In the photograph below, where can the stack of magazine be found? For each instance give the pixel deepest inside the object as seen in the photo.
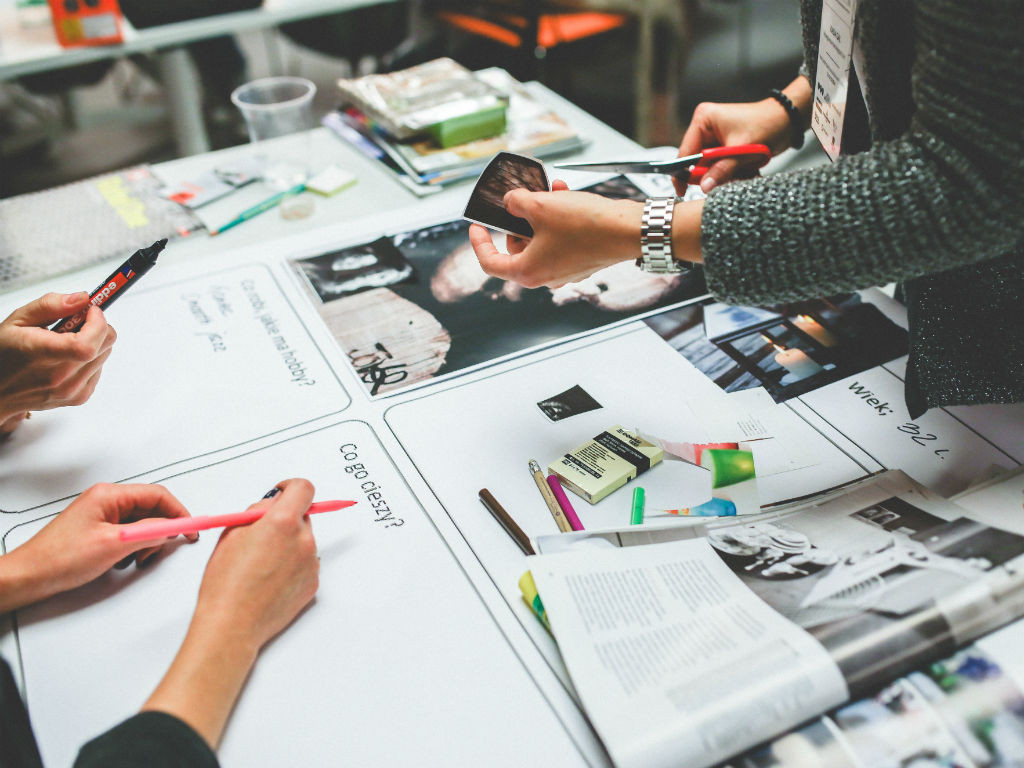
(871, 625)
(420, 164)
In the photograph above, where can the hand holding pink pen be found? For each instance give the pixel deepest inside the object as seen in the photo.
(158, 529)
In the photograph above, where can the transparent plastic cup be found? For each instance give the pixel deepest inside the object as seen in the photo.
(275, 107)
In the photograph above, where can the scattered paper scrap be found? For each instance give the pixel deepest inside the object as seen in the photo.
(571, 402)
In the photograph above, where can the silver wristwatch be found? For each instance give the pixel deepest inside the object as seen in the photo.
(656, 237)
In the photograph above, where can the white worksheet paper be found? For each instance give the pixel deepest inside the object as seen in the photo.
(937, 450)
(396, 662)
(200, 364)
(481, 434)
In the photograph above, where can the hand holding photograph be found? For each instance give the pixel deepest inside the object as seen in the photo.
(416, 306)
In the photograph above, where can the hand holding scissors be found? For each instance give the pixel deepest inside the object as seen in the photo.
(691, 167)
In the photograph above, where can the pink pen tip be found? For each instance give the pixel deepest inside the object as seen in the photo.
(159, 528)
(329, 506)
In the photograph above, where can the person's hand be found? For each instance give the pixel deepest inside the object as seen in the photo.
(258, 579)
(261, 575)
(575, 234)
(82, 542)
(40, 369)
(719, 125)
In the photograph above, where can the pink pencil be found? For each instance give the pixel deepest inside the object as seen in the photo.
(563, 502)
(158, 529)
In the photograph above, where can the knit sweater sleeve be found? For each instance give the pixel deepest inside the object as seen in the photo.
(947, 192)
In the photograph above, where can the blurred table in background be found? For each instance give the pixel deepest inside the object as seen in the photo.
(25, 51)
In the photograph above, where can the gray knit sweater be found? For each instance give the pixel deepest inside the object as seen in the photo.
(936, 202)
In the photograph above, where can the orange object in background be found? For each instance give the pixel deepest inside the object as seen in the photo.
(86, 22)
(552, 29)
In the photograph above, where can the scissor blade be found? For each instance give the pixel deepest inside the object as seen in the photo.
(641, 166)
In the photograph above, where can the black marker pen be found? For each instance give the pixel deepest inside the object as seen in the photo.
(138, 264)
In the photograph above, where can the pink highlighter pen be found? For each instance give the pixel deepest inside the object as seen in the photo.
(563, 502)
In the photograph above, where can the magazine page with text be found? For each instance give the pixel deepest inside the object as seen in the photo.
(689, 651)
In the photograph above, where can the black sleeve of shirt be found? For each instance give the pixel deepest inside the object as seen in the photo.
(153, 739)
(17, 744)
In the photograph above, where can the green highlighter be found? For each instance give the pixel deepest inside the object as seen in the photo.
(636, 517)
(259, 208)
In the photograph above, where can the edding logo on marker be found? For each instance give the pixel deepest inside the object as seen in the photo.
(105, 292)
(135, 267)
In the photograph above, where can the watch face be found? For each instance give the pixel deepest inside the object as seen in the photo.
(505, 172)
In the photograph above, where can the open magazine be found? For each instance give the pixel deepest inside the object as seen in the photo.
(965, 711)
(688, 646)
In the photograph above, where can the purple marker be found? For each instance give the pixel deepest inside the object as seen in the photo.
(563, 502)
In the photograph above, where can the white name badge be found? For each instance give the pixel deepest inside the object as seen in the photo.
(835, 56)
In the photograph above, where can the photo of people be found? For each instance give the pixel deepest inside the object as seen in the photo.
(878, 571)
(416, 306)
(505, 172)
(789, 349)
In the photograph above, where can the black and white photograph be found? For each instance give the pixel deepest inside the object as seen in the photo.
(416, 306)
(789, 350)
(505, 172)
(571, 402)
(875, 572)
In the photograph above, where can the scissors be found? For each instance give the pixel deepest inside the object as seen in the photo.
(694, 165)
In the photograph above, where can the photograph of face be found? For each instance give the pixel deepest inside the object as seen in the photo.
(505, 172)
(789, 350)
(417, 306)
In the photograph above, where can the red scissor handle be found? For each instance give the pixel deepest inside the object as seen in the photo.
(750, 154)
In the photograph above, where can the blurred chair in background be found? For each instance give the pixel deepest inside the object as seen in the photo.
(365, 37)
(219, 61)
(526, 29)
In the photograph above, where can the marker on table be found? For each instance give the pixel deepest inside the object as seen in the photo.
(549, 497)
(158, 529)
(259, 208)
(637, 515)
(714, 508)
(123, 278)
(563, 502)
(505, 521)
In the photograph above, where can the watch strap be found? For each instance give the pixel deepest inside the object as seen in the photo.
(656, 236)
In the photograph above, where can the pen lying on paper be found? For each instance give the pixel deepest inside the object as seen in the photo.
(157, 529)
(505, 520)
(259, 208)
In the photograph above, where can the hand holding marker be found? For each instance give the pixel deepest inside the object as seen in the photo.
(158, 529)
(138, 264)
